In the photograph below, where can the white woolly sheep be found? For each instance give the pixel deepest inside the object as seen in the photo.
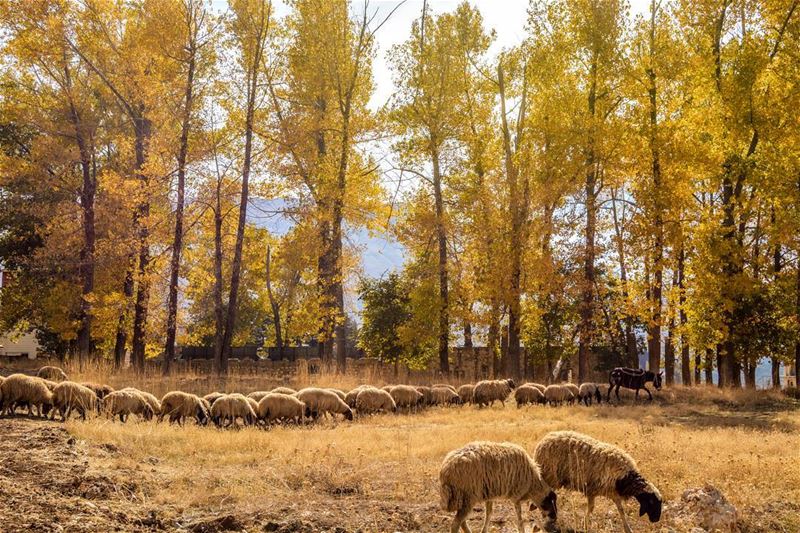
(489, 471)
(444, 385)
(488, 391)
(350, 397)
(466, 393)
(212, 397)
(558, 394)
(371, 400)
(427, 396)
(581, 463)
(444, 396)
(337, 392)
(50, 384)
(100, 390)
(52, 373)
(179, 405)
(283, 390)
(588, 392)
(537, 385)
(528, 394)
(68, 395)
(387, 388)
(152, 400)
(124, 403)
(406, 396)
(281, 407)
(19, 390)
(574, 389)
(321, 401)
(230, 407)
(257, 395)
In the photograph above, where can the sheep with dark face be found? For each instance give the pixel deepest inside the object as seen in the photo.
(444, 396)
(100, 390)
(466, 393)
(489, 471)
(282, 407)
(579, 462)
(406, 396)
(20, 390)
(558, 395)
(124, 403)
(427, 395)
(154, 403)
(350, 397)
(321, 401)
(371, 400)
(528, 394)
(68, 396)
(227, 409)
(589, 392)
(180, 405)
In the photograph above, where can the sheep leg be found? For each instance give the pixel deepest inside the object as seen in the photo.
(589, 509)
(520, 523)
(460, 520)
(485, 528)
(621, 510)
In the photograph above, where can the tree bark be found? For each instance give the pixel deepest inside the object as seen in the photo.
(220, 363)
(686, 373)
(709, 366)
(276, 309)
(177, 241)
(494, 327)
(441, 238)
(587, 290)
(142, 128)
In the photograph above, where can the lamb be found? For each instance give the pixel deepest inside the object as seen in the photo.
(444, 396)
(230, 407)
(283, 390)
(350, 397)
(100, 390)
(152, 400)
(528, 394)
(581, 463)
(406, 396)
(18, 390)
(257, 395)
(124, 403)
(321, 401)
(557, 394)
(488, 391)
(68, 395)
(371, 400)
(283, 407)
(489, 471)
(427, 396)
(52, 373)
(339, 393)
(212, 397)
(179, 405)
(588, 391)
(466, 393)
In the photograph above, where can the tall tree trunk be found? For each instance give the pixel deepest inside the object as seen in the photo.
(441, 237)
(669, 352)
(494, 328)
(709, 366)
(143, 129)
(777, 264)
(698, 365)
(468, 348)
(654, 330)
(797, 315)
(686, 372)
(276, 308)
(587, 300)
(220, 363)
(177, 241)
(631, 355)
(121, 341)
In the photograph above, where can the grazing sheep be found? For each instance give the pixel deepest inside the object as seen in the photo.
(281, 407)
(100, 390)
(283, 390)
(406, 396)
(488, 391)
(321, 401)
(427, 396)
(558, 394)
(371, 400)
(230, 407)
(537, 385)
(68, 395)
(152, 400)
(444, 396)
(581, 463)
(350, 397)
(253, 405)
(589, 391)
(257, 395)
(179, 405)
(124, 403)
(574, 389)
(50, 384)
(444, 385)
(337, 392)
(212, 397)
(466, 393)
(52, 373)
(387, 388)
(489, 471)
(19, 390)
(528, 394)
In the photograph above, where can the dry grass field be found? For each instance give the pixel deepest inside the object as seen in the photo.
(380, 473)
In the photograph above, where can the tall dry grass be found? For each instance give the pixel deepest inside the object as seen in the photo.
(746, 444)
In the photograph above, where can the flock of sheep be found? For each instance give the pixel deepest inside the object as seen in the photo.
(50, 392)
(478, 472)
